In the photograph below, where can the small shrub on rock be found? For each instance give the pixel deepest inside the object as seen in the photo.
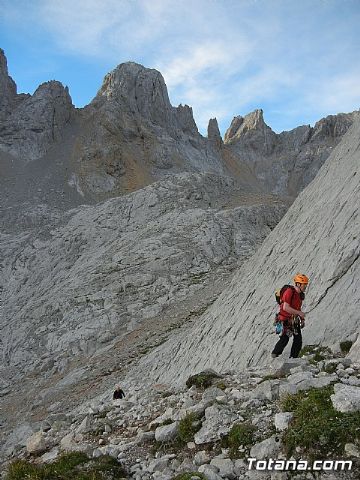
(169, 421)
(308, 350)
(345, 346)
(241, 434)
(202, 379)
(108, 468)
(189, 476)
(221, 385)
(188, 426)
(70, 466)
(272, 376)
(318, 353)
(330, 368)
(20, 469)
(317, 428)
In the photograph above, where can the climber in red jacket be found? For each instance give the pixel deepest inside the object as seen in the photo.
(292, 317)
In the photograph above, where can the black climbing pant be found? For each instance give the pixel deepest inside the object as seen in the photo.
(284, 340)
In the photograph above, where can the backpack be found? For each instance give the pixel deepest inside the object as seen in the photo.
(279, 326)
(280, 293)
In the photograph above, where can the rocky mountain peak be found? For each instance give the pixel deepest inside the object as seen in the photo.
(38, 121)
(253, 121)
(185, 118)
(251, 132)
(334, 126)
(7, 88)
(3, 62)
(214, 132)
(137, 90)
(234, 127)
(54, 89)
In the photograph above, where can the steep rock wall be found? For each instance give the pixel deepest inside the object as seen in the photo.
(319, 235)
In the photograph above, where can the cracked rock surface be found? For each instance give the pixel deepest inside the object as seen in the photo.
(112, 265)
(81, 301)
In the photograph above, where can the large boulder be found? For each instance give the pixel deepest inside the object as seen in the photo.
(346, 398)
(36, 444)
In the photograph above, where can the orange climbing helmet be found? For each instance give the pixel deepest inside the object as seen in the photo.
(301, 278)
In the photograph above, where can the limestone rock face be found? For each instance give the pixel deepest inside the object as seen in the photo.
(36, 443)
(268, 448)
(37, 122)
(317, 236)
(185, 118)
(166, 432)
(110, 266)
(129, 136)
(7, 88)
(141, 93)
(233, 129)
(333, 126)
(354, 353)
(113, 429)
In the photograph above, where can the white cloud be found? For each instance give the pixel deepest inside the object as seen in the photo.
(195, 63)
(221, 57)
(338, 94)
(87, 29)
(112, 28)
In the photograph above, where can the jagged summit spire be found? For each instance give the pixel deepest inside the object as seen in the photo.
(213, 132)
(7, 88)
(3, 61)
(252, 130)
(3, 64)
(240, 125)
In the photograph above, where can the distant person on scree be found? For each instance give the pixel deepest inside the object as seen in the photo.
(291, 316)
(118, 393)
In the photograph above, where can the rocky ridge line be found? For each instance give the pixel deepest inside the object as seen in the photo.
(287, 162)
(130, 136)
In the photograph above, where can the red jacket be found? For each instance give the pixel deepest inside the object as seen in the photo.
(292, 298)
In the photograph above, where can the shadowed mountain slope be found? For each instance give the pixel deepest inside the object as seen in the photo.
(285, 163)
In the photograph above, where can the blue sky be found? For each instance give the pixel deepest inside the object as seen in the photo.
(297, 60)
